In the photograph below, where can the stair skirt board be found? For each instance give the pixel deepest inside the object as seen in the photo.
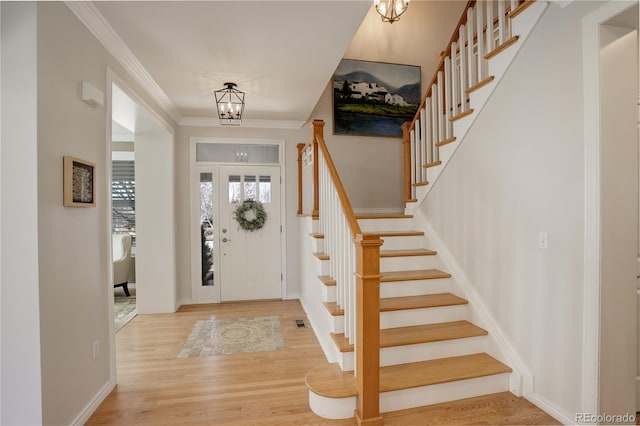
(343, 408)
(420, 352)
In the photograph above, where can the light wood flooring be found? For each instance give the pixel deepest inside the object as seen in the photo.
(263, 388)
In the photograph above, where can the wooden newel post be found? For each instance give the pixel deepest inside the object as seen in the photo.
(368, 329)
(300, 151)
(406, 144)
(318, 133)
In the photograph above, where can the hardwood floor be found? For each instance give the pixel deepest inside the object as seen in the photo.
(263, 388)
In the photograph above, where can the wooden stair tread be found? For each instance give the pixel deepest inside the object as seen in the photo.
(461, 115)
(446, 141)
(329, 381)
(411, 252)
(480, 84)
(502, 47)
(421, 274)
(443, 370)
(412, 335)
(420, 184)
(327, 280)
(521, 8)
(395, 233)
(318, 236)
(321, 256)
(384, 216)
(333, 308)
(407, 302)
(419, 302)
(432, 164)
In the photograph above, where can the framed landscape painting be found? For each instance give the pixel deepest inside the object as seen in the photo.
(374, 98)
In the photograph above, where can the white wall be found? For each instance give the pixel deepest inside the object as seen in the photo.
(155, 260)
(20, 383)
(619, 168)
(371, 168)
(519, 171)
(73, 242)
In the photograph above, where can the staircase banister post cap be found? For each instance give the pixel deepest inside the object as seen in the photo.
(368, 240)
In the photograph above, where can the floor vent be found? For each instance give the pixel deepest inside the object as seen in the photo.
(300, 323)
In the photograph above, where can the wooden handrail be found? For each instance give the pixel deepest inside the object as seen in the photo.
(318, 140)
(462, 21)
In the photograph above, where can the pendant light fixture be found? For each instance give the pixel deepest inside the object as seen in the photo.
(230, 104)
(390, 10)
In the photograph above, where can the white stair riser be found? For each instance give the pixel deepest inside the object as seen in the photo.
(402, 243)
(336, 323)
(433, 350)
(420, 352)
(415, 288)
(328, 293)
(318, 245)
(450, 391)
(315, 226)
(343, 408)
(332, 408)
(374, 225)
(410, 263)
(409, 317)
(322, 266)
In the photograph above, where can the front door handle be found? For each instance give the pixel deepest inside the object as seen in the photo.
(224, 240)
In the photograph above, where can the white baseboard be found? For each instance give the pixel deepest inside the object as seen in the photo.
(555, 412)
(93, 405)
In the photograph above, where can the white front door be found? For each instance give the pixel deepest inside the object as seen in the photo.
(250, 263)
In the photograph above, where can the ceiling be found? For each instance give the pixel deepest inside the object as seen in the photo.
(281, 53)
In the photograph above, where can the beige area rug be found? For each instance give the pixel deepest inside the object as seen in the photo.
(124, 310)
(233, 335)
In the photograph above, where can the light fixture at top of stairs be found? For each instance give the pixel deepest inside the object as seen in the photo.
(390, 10)
(230, 104)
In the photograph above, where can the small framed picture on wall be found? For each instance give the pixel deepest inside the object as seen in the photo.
(79, 183)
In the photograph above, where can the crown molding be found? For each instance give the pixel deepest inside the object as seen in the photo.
(246, 123)
(89, 15)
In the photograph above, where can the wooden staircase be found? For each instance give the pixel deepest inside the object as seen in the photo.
(429, 350)
(429, 345)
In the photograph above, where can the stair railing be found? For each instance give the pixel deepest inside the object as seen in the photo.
(355, 266)
(483, 31)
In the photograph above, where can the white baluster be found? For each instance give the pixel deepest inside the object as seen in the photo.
(430, 139)
(413, 157)
(434, 121)
(491, 40)
(455, 79)
(463, 70)
(501, 23)
(425, 147)
(418, 151)
(480, 42)
(441, 125)
(448, 78)
(470, 55)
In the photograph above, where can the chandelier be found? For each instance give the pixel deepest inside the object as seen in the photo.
(390, 10)
(230, 103)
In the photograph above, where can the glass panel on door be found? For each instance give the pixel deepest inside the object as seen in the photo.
(206, 228)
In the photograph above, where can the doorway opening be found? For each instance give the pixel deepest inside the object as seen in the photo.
(230, 263)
